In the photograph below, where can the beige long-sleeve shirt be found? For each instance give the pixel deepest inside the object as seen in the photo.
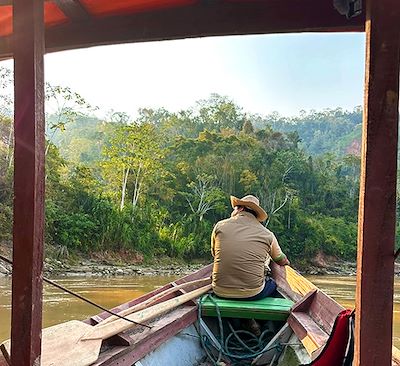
(241, 246)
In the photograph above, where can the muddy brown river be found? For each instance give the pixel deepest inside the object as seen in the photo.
(109, 292)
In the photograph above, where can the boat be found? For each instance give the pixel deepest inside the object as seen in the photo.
(182, 323)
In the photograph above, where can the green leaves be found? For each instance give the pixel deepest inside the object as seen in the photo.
(132, 161)
(158, 184)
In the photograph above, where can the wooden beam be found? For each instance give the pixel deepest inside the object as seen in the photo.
(10, 2)
(26, 317)
(203, 19)
(377, 210)
(73, 9)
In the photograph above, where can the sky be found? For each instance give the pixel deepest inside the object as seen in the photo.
(262, 74)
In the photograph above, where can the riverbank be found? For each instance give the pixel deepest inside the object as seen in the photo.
(88, 268)
(131, 264)
(106, 264)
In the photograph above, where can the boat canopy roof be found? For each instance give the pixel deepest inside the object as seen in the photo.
(74, 24)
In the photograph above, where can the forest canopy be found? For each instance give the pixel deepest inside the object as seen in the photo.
(157, 184)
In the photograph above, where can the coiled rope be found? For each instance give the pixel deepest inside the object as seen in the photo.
(234, 346)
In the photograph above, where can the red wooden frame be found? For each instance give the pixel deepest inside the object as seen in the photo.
(28, 183)
(377, 213)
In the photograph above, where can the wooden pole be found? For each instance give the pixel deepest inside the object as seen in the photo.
(377, 209)
(28, 48)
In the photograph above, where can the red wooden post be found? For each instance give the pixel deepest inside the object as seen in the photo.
(26, 318)
(377, 210)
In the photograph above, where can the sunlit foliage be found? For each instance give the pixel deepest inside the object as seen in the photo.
(157, 184)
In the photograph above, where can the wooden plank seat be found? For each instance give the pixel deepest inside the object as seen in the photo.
(269, 308)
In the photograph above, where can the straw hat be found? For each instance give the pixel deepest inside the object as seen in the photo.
(252, 203)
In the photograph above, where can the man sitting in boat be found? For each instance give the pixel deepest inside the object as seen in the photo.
(241, 247)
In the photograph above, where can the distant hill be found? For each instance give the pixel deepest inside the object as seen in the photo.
(328, 131)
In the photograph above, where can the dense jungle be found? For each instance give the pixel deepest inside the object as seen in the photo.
(154, 185)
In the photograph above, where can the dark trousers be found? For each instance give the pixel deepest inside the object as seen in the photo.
(268, 290)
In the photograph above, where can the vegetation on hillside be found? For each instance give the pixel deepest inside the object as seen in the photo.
(156, 185)
(321, 132)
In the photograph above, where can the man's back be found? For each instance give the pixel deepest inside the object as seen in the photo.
(240, 246)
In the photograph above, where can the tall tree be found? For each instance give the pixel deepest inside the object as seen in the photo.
(133, 156)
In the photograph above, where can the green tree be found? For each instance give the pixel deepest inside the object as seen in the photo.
(63, 106)
(132, 160)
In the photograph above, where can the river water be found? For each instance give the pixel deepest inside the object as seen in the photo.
(109, 292)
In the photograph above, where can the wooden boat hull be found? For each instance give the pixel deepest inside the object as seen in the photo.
(311, 319)
(173, 337)
(167, 337)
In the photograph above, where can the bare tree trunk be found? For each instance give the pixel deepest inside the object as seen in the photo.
(137, 187)
(123, 191)
(200, 191)
(275, 210)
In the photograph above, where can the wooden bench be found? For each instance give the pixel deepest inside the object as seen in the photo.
(269, 308)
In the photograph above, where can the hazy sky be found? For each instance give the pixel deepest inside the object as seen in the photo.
(284, 73)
